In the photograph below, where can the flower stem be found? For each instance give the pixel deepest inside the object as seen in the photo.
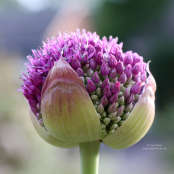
(89, 156)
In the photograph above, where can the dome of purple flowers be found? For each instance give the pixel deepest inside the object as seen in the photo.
(114, 79)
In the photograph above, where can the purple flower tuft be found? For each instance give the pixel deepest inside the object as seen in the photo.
(114, 79)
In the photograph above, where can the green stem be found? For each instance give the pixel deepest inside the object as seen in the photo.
(89, 156)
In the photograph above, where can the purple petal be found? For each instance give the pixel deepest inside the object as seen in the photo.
(128, 71)
(136, 69)
(75, 64)
(112, 73)
(104, 101)
(136, 88)
(128, 60)
(119, 67)
(107, 92)
(123, 78)
(92, 64)
(80, 72)
(90, 86)
(105, 83)
(115, 88)
(95, 77)
(104, 70)
(112, 61)
(113, 99)
(99, 58)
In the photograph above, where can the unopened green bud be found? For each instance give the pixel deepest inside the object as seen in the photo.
(99, 84)
(113, 107)
(97, 103)
(122, 88)
(104, 133)
(129, 84)
(85, 75)
(82, 79)
(112, 116)
(104, 114)
(121, 122)
(114, 126)
(86, 79)
(120, 94)
(103, 126)
(125, 116)
(94, 98)
(99, 116)
(95, 106)
(114, 80)
(90, 73)
(117, 119)
(120, 110)
(98, 92)
(121, 100)
(106, 121)
(85, 68)
(111, 131)
(128, 107)
(100, 109)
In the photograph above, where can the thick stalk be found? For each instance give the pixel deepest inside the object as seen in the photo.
(89, 157)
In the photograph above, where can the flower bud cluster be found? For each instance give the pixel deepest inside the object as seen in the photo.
(114, 87)
(113, 79)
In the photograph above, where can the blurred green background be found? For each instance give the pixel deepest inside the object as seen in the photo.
(146, 27)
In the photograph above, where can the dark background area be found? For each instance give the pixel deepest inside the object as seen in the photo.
(145, 27)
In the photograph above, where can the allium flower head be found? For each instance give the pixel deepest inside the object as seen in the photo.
(83, 88)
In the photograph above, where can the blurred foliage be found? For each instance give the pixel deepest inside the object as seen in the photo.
(131, 19)
(162, 127)
(8, 5)
(162, 69)
(121, 19)
(3, 2)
